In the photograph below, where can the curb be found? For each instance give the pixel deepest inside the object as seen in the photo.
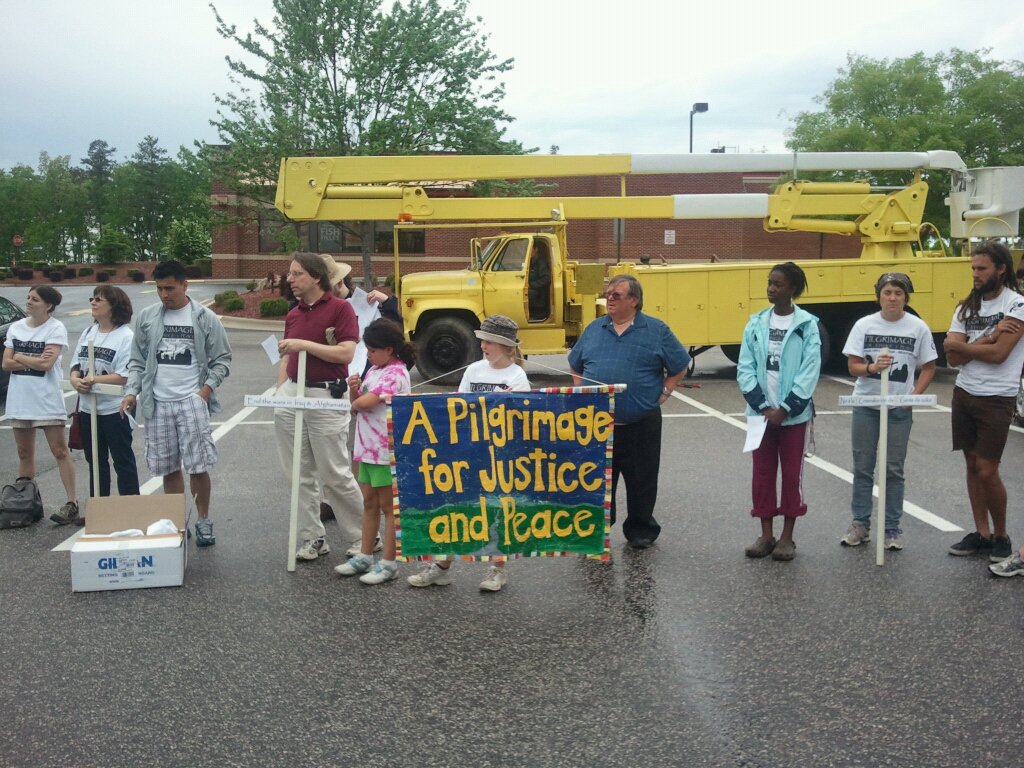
(251, 324)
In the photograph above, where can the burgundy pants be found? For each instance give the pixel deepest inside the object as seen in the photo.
(785, 446)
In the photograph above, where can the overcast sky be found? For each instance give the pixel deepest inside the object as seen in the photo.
(591, 76)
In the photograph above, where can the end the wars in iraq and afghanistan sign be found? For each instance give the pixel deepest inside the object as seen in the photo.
(503, 474)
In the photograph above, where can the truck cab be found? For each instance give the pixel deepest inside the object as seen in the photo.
(520, 275)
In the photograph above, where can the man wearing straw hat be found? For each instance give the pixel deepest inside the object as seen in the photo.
(325, 328)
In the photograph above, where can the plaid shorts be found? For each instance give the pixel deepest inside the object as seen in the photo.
(179, 435)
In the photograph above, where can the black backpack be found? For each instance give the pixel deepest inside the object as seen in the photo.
(20, 504)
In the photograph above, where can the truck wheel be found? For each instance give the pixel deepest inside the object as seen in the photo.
(731, 352)
(826, 344)
(446, 344)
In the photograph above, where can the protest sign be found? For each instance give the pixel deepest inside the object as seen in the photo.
(488, 476)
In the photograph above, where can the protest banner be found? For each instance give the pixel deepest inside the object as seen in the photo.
(490, 476)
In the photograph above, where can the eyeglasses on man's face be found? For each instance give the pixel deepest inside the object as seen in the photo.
(616, 295)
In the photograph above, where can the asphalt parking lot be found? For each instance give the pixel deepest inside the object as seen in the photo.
(684, 654)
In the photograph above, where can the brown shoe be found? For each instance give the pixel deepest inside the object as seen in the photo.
(66, 515)
(326, 513)
(784, 550)
(762, 547)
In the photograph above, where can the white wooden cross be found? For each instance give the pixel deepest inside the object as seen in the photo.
(884, 401)
(300, 404)
(97, 389)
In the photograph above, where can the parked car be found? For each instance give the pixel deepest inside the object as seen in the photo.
(10, 313)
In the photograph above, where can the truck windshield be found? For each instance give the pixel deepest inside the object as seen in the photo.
(487, 252)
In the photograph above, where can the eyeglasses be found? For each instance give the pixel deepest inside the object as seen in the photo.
(95, 298)
(295, 274)
(616, 296)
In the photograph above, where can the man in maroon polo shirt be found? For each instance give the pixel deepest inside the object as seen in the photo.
(325, 463)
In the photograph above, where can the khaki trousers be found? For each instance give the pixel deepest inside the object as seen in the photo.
(324, 464)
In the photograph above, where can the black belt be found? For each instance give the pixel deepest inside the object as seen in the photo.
(319, 385)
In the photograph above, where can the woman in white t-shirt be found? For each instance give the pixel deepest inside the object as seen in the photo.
(894, 339)
(499, 371)
(111, 337)
(33, 352)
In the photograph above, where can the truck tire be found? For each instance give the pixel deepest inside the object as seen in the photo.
(731, 352)
(447, 344)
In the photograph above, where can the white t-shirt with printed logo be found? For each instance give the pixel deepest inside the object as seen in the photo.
(36, 395)
(986, 379)
(111, 352)
(481, 377)
(778, 325)
(177, 375)
(908, 339)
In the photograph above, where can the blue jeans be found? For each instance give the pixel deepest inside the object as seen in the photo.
(864, 435)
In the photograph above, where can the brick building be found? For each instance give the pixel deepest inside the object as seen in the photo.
(249, 248)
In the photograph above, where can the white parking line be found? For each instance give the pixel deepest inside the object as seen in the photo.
(155, 483)
(911, 509)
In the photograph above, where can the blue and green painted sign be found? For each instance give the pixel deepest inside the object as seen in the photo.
(486, 476)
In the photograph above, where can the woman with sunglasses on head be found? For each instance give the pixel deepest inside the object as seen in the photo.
(33, 353)
(895, 339)
(111, 337)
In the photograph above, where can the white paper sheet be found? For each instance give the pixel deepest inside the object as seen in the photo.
(756, 426)
(269, 345)
(366, 313)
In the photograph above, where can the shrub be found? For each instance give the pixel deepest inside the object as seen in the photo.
(273, 307)
(220, 298)
(40, 265)
(234, 303)
(137, 276)
(56, 275)
(205, 265)
(102, 277)
(250, 286)
(70, 272)
(84, 271)
(26, 274)
(192, 272)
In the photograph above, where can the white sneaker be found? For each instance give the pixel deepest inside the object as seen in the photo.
(432, 574)
(356, 565)
(311, 549)
(357, 547)
(379, 573)
(496, 579)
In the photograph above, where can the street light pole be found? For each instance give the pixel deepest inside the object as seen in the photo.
(700, 106)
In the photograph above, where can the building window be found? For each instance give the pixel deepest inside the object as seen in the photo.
(273, 233)
(336, 236)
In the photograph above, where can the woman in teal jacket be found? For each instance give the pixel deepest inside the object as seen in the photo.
(780, 360)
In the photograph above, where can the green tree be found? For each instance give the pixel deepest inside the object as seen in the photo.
(59, 222)
(141, 198)
(98, 165)
(187, 240)
(958, 100)
(348, 77)
(113, 245)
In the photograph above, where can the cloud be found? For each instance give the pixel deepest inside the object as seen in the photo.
(589, 75)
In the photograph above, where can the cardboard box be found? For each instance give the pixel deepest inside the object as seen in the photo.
(100, 562)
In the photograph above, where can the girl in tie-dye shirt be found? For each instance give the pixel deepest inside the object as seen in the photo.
(391, 356)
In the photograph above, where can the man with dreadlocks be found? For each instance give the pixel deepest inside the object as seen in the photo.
(983, 340)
